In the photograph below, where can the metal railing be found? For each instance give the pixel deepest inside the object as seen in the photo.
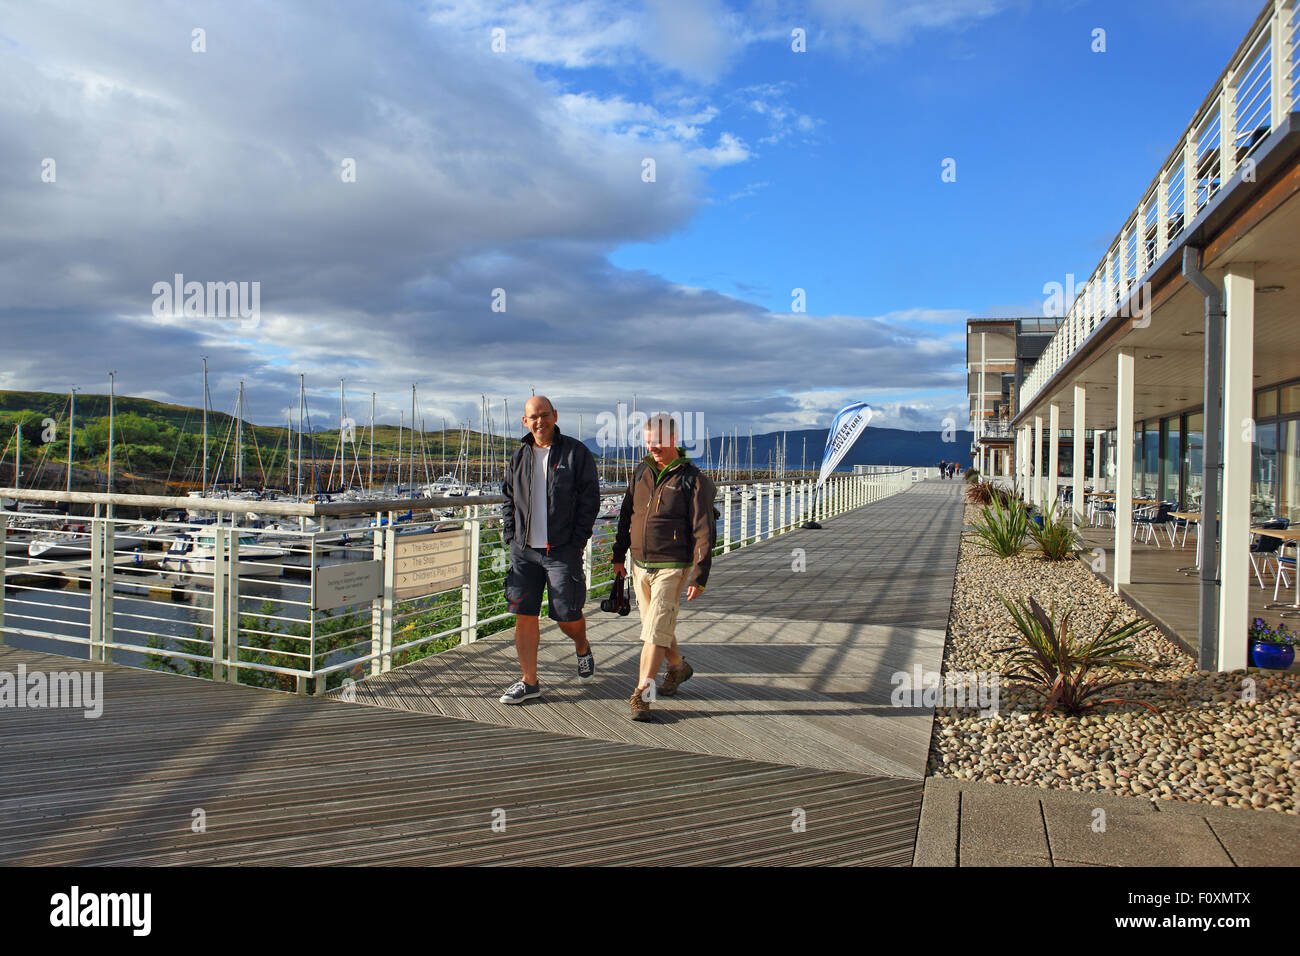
(993, 428)
(297, 596)
(1253, 96)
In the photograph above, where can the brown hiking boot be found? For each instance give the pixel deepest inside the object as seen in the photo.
(640, 709)
(674, 677)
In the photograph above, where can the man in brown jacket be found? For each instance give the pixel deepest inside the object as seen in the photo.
(667, 522)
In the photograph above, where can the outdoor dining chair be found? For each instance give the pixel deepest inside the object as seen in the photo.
(1262, 547)
(1148, 519)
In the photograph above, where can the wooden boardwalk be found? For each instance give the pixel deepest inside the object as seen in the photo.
(795, 701)
(790, 667)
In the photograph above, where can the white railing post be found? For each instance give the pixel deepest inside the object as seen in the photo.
(390, 588)
(377, 605)
(588, 559)
(232, 605)
(1227, 129)
(219, 599)
(1189, 178)
(1281, 41)
(726, 521)
(106, 604)
(1162, 214)
(771, 509)
(1122, 276)
(744, 515)
(469, 605)
(300, 682)
(96, 585)
(311, 622)
(4, 536)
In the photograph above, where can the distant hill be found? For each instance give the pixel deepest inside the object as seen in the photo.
(876, 446)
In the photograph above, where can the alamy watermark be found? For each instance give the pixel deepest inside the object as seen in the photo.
(1059, 297)
(618, 429)
(979, 689)
(37, 690)
(217, 300)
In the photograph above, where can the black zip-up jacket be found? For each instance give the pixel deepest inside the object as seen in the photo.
(572, 493)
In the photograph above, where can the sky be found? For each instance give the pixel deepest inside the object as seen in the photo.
(730, 210)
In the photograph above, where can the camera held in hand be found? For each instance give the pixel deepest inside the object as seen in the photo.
(617, 602)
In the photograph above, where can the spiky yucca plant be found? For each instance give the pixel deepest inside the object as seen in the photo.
(1056, 537)
(1002, 527)
(1064, 667)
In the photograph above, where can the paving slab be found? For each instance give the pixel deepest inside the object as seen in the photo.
(997, 827)
(1257, 842)
(1131, 839)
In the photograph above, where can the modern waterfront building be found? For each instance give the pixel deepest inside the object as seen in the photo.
(1183, 346)
(999, 354)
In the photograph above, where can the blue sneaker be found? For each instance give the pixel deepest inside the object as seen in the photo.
(586, 666)
(518, 692)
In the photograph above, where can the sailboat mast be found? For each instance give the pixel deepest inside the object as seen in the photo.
(399, 451)
(203, 492)
(370, 482)
(112, 381)
(412, 436)
(72, 426)
(239, 439)
(302, 404)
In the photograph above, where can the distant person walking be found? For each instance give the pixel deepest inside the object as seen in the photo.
(668, 524)
(552, 497)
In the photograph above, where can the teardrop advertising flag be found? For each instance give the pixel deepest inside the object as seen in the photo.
(845, 430)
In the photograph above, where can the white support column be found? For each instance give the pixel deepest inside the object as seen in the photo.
(1022, 468)
(1054, 453)
(1036, 480)
(1123, 468)
(1080, 436)
(1238, 434)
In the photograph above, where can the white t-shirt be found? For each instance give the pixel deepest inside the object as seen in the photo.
(537, 518)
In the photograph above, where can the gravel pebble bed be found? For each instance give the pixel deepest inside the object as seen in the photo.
(1220, 747)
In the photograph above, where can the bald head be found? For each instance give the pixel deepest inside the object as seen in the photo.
(538, 403)
(539, 418)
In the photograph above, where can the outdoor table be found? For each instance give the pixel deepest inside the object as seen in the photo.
(1190, 518)
(1289, 536)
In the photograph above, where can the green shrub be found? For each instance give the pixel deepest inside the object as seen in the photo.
(1002, 527)
(1066, 669)
(1056, 537)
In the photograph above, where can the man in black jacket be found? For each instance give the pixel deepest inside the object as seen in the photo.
(552, 497)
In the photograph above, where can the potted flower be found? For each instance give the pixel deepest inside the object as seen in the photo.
(1272, 648)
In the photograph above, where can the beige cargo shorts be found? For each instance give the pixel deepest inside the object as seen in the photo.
(658, 595)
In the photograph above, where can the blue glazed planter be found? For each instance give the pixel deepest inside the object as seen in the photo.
(1272, 656)
(1037, 519)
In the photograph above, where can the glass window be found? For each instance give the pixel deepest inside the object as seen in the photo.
(1151, 455)
(1290, 399)
(1266, 403)
(1139, 437)
(1193, 461)
(1170, 460)
(1264, 472)
(1289, 499)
